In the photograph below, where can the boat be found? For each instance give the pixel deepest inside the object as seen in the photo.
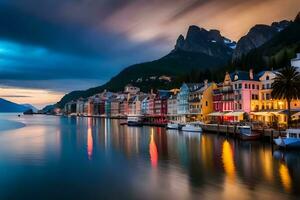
(134, 121)
(192, 127)
(173, 125)
(292, 139)
(246, 133)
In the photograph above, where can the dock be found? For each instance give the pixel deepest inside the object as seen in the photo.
(231, 130)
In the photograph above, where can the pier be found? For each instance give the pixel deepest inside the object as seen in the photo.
(231, 130)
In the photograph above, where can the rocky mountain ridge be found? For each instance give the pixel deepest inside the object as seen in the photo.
(257, 36)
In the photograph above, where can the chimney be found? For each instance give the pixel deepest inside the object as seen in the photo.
(251, 74)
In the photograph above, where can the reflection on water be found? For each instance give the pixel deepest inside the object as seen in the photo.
(285, 177)
(228, 160)
(89, 139)
(97, 158)
(153, 150)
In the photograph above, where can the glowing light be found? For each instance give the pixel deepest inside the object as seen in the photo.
(153, 150)
(285, 177)
(267, 165)
(228, 160)
(89, 139)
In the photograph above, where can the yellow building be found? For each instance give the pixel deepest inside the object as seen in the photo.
(201, 102)
(206, 103)
(271, 111)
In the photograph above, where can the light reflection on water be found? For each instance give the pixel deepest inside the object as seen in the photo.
(98, 158)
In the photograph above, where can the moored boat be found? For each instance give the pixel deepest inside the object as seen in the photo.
(173, 125)
(134, 121)
(246, 133)
(292, 139)
(192, 127)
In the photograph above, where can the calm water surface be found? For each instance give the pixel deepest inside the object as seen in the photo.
(48, 157)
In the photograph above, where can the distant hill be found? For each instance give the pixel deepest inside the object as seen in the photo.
(206, 54)
(34, 109)
(8, 106)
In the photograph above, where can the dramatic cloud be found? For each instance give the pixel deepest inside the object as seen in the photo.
(62, 45)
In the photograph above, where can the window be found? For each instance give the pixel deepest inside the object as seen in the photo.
(267, 78)
(268, 96)
(240, 106)
(246, 86)
(253, 86)
(240, 86)
(235, 86)
(257, 87)
(206, 103)
(263, 87)
(268, 86)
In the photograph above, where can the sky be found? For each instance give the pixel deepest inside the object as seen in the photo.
(51, 47)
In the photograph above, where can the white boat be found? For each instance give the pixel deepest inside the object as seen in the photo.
(134, 121)
(192, 127)
(292, 139)
(173, 125)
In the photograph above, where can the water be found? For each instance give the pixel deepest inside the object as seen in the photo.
(83, 158)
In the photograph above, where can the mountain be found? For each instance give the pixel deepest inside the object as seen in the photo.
(8, 106)
(29, 106)
(206, 54)
(200, 50)
(257, 36)
(277, 51)
(209, 42)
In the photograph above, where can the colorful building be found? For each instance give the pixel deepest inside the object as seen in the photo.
(271, 111)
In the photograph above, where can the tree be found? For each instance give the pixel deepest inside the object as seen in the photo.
(286, 86)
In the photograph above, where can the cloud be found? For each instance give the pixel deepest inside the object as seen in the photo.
(14, 96)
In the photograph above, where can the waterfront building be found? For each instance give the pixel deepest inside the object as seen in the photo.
(161, 102)
(194, 101)
(98, 105)
(271, 111)
(131, 105)
(206, 100)
(223, 100)
(183, 104)
(124, 107)
(70, 107)
(239, 94)
(115, 106)
(172, 105)
(227, 94)
(201, 101)
(89, 107)
(150, 105)
(80, 106)
(144, 105)
(246, 94)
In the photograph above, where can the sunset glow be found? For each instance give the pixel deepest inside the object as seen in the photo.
(37, 97)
